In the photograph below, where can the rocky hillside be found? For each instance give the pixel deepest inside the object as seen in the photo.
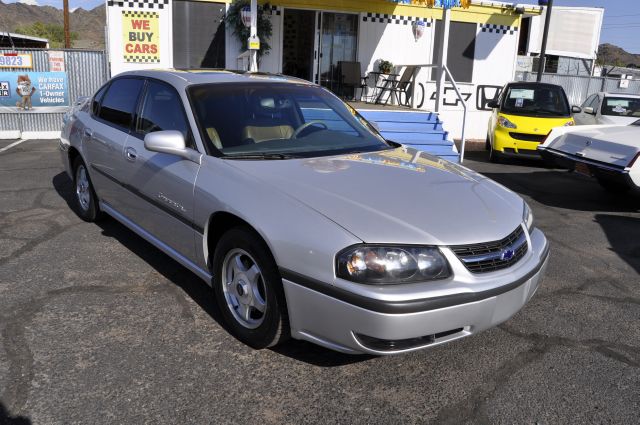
(88, 24)
(608, 54)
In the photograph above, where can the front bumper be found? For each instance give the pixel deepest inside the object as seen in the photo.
(506, 145)
(353, 324)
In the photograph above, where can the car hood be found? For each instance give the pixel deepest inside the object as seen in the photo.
(396, 196)
(616, 120)
(536, 125)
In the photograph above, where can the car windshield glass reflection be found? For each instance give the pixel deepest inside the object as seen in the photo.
(280, 121)
(531, 100)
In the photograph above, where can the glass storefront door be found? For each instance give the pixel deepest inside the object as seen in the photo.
(338, 42)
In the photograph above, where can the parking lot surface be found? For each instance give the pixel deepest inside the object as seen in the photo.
(97, 326)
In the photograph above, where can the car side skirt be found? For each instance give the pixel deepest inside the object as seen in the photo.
(184, 261)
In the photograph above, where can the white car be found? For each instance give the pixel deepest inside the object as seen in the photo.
(610, 153)
(609, 109)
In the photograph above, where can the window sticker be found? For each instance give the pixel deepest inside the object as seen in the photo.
(521, 94)
(619, 110)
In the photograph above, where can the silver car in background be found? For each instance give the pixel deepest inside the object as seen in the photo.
(306, 222)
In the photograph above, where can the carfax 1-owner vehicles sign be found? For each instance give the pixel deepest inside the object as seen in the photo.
(140, 36)
(33, 92)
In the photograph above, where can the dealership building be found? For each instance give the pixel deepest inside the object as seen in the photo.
(310, 38)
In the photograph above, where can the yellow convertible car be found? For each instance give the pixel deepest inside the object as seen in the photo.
(523, 116)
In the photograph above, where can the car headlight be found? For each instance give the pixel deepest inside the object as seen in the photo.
(391, 264)
(503, 122)
(527, 217)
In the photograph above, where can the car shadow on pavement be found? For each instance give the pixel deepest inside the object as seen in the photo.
(194, 287)
(555, 187)
(623, 233)
(7, 419)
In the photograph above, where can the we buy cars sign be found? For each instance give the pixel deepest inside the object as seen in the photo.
(140, 36)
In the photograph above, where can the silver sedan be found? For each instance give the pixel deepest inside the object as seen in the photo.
(306, 222)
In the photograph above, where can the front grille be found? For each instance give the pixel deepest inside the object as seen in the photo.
(492, 256)
(528, 137)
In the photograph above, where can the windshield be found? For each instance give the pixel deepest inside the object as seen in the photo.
(535, 100)
(621, 107)
(280, 120)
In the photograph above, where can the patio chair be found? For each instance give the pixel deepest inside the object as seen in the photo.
(398, 87)
(351, 77)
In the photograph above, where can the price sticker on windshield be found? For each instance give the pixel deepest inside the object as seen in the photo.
(16, 60)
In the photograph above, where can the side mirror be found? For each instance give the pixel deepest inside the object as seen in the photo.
(493, 104)
(589, 110)
(170, 142)
(576, 109)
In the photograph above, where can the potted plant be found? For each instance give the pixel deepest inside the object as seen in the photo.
(385, 66)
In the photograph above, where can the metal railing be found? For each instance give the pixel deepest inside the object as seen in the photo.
(464, 114)
(414, 83)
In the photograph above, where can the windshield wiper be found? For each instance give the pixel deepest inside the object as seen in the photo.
(257, 156)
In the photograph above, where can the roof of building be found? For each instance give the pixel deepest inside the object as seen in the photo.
(22, 36)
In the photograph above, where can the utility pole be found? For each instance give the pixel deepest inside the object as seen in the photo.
(253, 47)
(67, 37)
(545, 35)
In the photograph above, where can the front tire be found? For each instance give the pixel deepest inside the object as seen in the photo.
(248, 289)
(85, 196)
(494, 156)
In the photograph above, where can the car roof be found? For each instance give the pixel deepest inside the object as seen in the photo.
(181, 78)
(612, 94)
(532, 84)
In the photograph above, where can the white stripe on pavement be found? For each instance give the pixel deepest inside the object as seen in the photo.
(6, 148)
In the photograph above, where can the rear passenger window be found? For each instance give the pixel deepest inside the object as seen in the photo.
(162, 110)
(119, 104)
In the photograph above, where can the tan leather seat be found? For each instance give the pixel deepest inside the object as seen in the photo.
(260, 134)
(214, 137)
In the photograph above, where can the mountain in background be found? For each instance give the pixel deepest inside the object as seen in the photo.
(87, 24)
(608, 54)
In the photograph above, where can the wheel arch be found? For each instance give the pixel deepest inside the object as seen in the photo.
(220, 222)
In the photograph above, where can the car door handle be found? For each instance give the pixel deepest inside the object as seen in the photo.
(88, 133)
(581, 154)
(131, 154)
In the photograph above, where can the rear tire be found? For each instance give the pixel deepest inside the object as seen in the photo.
(87, 205)
(248, 289)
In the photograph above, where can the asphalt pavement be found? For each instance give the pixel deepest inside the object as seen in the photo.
(97, 326)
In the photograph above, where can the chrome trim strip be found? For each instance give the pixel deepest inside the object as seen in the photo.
(202, 274)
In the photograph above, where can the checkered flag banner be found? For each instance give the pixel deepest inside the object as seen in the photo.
(149, 4)
(393, 19)
(498, 29)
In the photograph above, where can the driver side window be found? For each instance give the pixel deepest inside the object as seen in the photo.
(162, 110)
(588, 101)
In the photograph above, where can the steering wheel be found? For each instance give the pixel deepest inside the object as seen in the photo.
(304, 126)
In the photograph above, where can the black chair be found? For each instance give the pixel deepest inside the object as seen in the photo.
(351, 77)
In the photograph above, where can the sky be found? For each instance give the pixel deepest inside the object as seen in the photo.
(621, 24)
